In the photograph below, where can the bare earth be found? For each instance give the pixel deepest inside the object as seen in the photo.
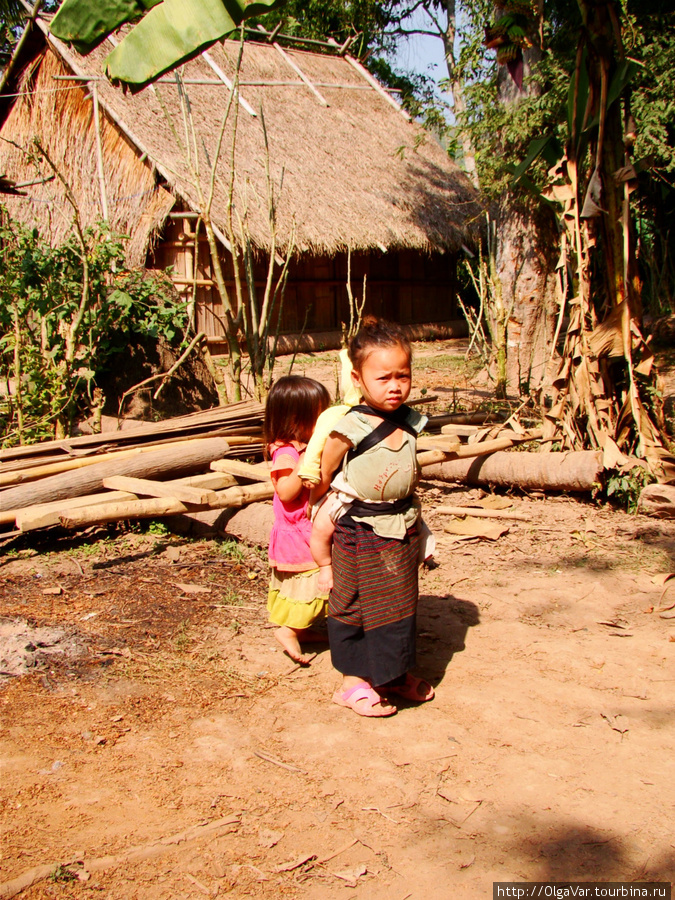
(162, 746)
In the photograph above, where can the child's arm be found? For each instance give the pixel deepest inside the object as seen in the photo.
(334, 451)
(287, 482)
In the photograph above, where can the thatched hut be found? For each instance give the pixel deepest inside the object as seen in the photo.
(354, 176)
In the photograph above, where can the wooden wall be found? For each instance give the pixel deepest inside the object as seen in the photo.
(407, 287)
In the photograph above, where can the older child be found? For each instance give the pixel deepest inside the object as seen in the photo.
(372, 606)
(294, 600)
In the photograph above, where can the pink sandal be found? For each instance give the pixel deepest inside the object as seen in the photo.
(415, 689)
(364, 700)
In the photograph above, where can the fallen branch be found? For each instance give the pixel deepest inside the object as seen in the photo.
(11, 888)
(482, 513)
(277, 762)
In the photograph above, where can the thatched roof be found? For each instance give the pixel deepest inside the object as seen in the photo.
(356, 172)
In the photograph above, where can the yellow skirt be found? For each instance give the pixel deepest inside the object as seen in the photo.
(294, 599)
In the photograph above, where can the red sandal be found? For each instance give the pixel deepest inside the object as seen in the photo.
(414, 688)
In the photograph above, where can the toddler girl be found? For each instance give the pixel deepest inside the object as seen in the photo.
(294, 601)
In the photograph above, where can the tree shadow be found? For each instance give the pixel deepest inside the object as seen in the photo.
(581, 853)
(442, 625)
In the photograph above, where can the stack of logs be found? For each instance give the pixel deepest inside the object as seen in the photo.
(150, 470)
(191, 463)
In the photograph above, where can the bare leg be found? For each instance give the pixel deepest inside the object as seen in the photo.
(289, 638)
(320, 545)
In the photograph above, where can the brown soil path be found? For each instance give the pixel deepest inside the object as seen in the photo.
(547, 753)
(172, 751)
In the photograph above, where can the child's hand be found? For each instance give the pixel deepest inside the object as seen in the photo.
(325, 581)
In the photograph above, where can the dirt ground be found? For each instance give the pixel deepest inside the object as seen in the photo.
(161, 745)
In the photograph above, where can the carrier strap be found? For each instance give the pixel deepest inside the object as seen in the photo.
(391, 421)
(385, 508)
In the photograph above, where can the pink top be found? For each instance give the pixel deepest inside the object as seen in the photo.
(289, 540)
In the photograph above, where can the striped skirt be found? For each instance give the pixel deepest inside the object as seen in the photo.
(371, 609)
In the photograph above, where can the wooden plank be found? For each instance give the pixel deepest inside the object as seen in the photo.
(438, 442)
(259, 472)
(47, 514)
(155, 508)
(143, 487)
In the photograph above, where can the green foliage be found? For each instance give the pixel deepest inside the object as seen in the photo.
(65, 313)
(157, 528)
(625, 487)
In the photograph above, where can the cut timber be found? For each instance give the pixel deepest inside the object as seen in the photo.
(145, 488)
(260, 472)
(176, 458)
(47, 514)
(459, 430)
(482, 513)
(573, 471)
(658, 500)
(469, 451)
(64, 465)
(141, 509)
(443, 442)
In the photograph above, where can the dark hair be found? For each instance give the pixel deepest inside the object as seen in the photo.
(293, 406)
(373, 334)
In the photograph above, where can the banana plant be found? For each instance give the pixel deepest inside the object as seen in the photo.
(601, 394)
(164, 33)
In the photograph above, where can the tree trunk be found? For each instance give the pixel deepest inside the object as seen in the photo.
(525, 265)
(579, 471)
(525, 269)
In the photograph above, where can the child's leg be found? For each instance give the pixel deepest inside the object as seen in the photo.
(320, 546)
(290, 638)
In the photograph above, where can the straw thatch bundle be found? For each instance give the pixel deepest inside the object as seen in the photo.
(356, 173)
(60, 115)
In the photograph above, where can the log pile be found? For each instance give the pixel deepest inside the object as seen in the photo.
(152, 470)
(193, 463)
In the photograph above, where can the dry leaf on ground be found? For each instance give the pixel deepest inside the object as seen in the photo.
(473, 527)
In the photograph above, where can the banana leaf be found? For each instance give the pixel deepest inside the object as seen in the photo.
(85, 24)
(169, 33)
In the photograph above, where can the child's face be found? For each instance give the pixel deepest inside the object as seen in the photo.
(384, 379)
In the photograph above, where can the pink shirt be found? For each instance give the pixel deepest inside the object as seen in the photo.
(289, 540)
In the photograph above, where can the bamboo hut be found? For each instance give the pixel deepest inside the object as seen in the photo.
(357, 182)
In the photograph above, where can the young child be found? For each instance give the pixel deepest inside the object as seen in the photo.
(294, 601)
(372, 606)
